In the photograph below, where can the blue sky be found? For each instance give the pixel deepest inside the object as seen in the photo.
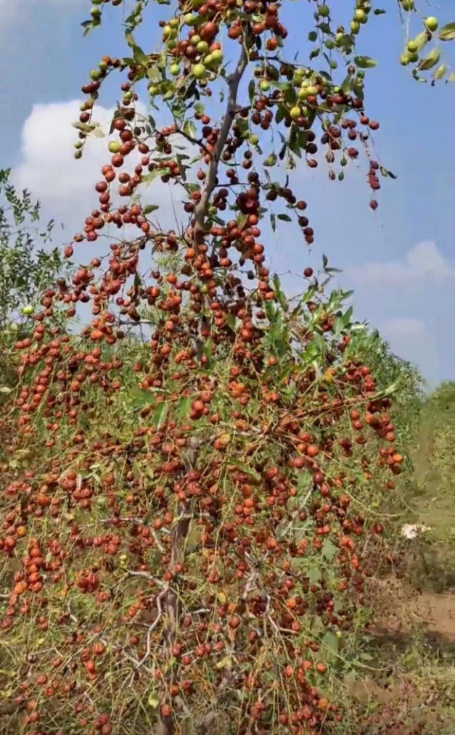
(399, 260)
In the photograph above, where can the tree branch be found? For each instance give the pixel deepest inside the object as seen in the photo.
(231, 108)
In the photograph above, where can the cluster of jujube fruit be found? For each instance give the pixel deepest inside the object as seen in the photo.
(202, 545)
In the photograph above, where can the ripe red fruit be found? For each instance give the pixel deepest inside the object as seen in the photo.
(313, 450)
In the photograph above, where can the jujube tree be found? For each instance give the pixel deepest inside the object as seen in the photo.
(194, 475)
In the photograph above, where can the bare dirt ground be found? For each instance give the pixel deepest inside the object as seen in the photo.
(413, 689)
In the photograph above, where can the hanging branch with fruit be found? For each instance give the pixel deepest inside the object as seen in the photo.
(193, 491)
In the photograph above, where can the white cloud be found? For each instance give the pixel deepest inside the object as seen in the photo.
(48, 167)
(65, 186)
(422, 263)
(410, 338)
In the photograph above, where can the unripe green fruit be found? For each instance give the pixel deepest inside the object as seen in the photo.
(174, 69)
(208, 60)
(254, 138)
(190, 19)
(202, 47)
(310, 90)
(95, 74)
(217, 56)
(408, 5)
(169, 94)
(302, 94)
(413, 57)
(154, 89)
(264, 85)
(174, 22)
(95, 13)
(404, 59)
(354, 26)
(199, 71)
(295, 112)
(195, 40)
(412, 46)
(28, 309)
(323, 11)
(114, 146)
(360, 15)
(167, 31)
(431, 23)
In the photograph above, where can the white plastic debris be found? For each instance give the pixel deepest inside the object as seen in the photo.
(411, 531)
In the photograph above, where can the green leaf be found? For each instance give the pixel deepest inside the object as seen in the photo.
(314, 575)
(346, 318)
(153, 74)
(160, 414)
(430, 60)
(230, 320)
(271, 160)
(285, 218)
(294, 142)
(150, 208)
(273, 221)
(329, 550)
(422, 39)
(379, 11)
(346, 84)
(252, 90)
(148, 178)
(391, 389)
(440, 71)
(183, 408)
(447, 32)
(84, 127)
(386, 172)
(189, 128)
(139, 56)
(153, 700)
(365, 62)
(279, 292)
(280, 114)
(330, 644)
